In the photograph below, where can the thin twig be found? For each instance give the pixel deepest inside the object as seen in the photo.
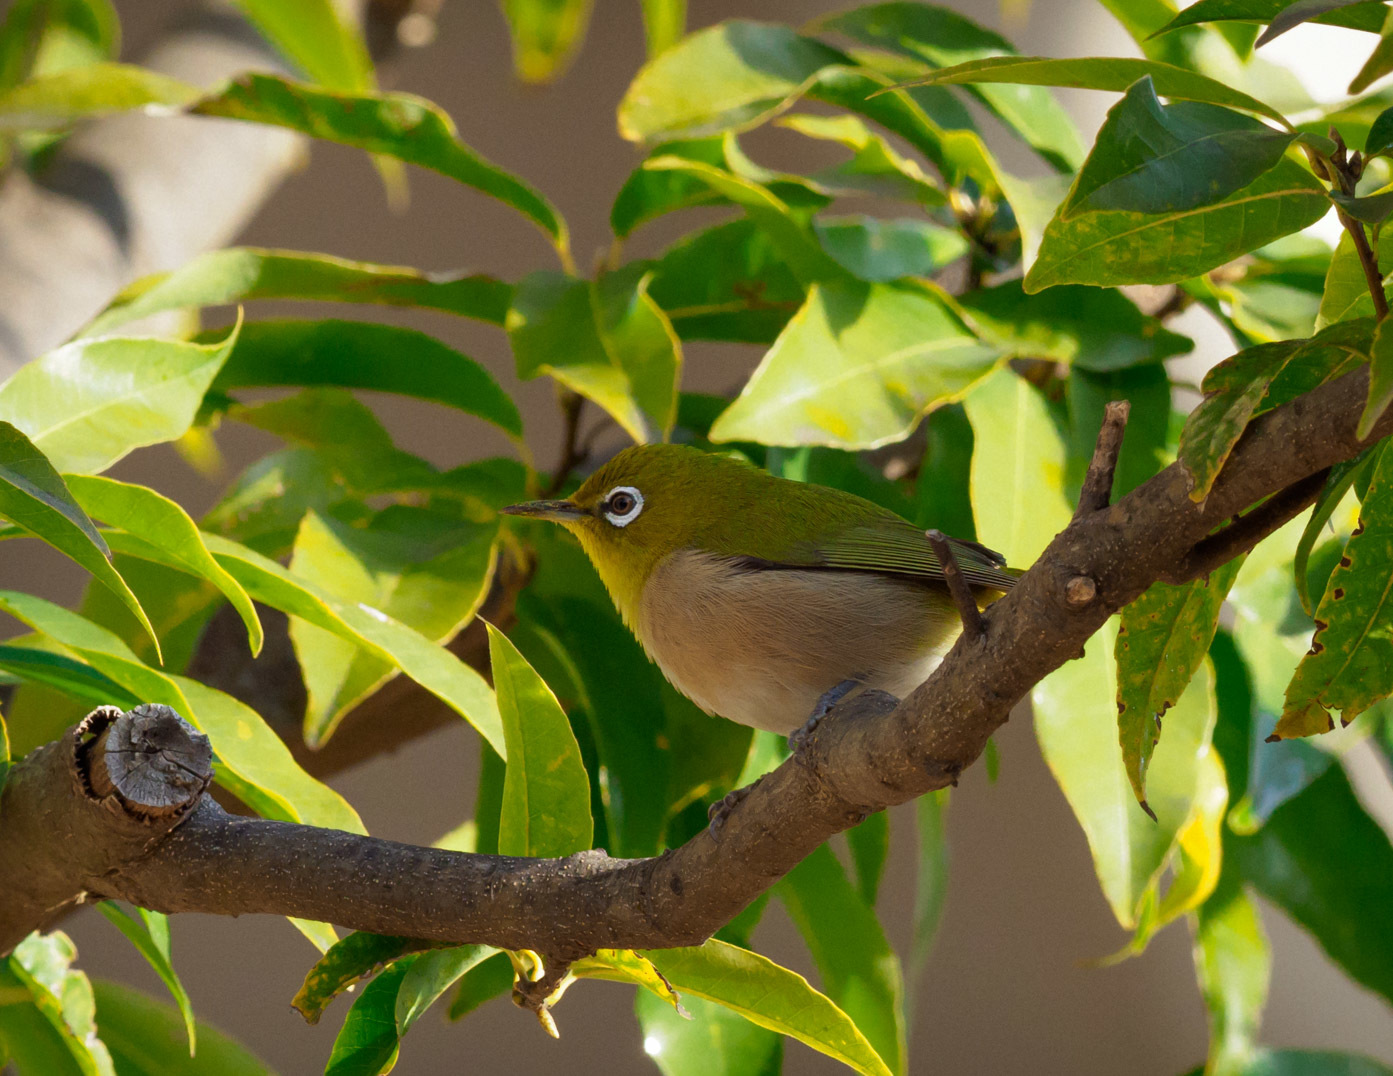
(1096, 493)
(1246, 531)
(973, 625)
(1346, 169)
(572, 404)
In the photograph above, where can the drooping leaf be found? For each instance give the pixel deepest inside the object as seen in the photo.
(56, 100)
(158, 520)
(1366, 16)
(364, 355)
(317, 38)
(1256, 380)
(1342, 477)
(869, 844)
(859, 970)
(1155, 158)
(368, 1042)
(1075, 721)
(1370, 208)
(240, 274)
(88, 403)
(1234, 962)
(1127, 247)
(351, 959)
(546, 35)
(1379, 63)
(940, 37)
(931, 877)
(1380, 380)
(427, 569)
(710, 1041)
(770, 996)
(1100, 73)
(546, 793)
(1162, 639)
(1018, 465)
(430, 975)
(149, 933)
(41, 966)
(857, 367)
(143, 1036)
(34, 497)
(1346, 296)
(1348, 667)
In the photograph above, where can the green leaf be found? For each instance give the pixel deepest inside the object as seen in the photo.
(350, 354)
(143, 1037)
(1090, 328)
(149, 933)
(710, 1041)
(1018, 460)
(732, 76)
(1380, 381)
(1348, 666)
(1379, 63)
(368, 1042)
(1162, 640)
(874, 168)
(1126, 247)
(88, 403)
(432, 666)
(491, 979)
(1371, 209)
(1234, 963)
(859, 970)
(1256, 380)
(869, 844)
(34, 497)
(664, 23)
(546, 34)
(1366, 16)
(423, 568)
(885, 250)
(1342, 477)
(1294, 14)
(857, 367)
(239, 274)
(1328, 865)
(1155, 158)
(399, 125)
(74, 678)
(608, 341)
(430, 975)
(64, 97)
(546, 793)
(316, 38)
(351, 959)
(41, 37)
(939, 37)
(41, 965)
(158, 520)
(1099, 73)
(1346, 296)
(4, 742)
(1076, 723)
(247, 750)
(1380, 137)
(770, 996)
(1148, 446)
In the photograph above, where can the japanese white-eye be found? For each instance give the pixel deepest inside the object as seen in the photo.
(757, 595)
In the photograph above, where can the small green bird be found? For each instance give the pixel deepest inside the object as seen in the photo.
(761, 598)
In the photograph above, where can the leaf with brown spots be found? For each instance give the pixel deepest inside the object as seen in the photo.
(1350, 664)
(1258, 379)
(1162, 640)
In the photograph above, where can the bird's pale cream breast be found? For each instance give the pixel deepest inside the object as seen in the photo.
(761, 645)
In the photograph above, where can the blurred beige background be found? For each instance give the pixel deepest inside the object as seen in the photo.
(1006, 989)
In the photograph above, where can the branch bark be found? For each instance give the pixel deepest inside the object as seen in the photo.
(868, 754)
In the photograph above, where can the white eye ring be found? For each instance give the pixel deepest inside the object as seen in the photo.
(629, 498)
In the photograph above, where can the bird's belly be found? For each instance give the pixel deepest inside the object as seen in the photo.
(761, 646)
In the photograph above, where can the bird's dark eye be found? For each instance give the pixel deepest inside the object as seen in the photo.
(622, 505)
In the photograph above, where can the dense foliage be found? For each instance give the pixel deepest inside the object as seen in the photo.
(965, 323)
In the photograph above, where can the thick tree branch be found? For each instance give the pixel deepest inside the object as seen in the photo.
(866, 755)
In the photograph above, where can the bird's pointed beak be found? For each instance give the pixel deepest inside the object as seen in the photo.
(555, 511)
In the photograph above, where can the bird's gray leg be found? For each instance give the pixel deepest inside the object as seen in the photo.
(798, 738)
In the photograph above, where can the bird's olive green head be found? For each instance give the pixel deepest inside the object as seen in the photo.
(647, 502)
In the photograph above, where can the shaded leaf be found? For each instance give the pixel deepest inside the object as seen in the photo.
(1342, 477)
(546, 35)
(41, 965)
(143, 1037)
(1126, 247)
(35, 497)
(1380, 380)
(874, 168)
(711, 1041)
(1346, 296)
(859, 970)
(885, 250)
(869, 844)
(1371, 208)
(546, 793)
(350, 354)
(1366, 16)
(351, 959)
(88, 403)
(149, 933)
(158, 520)
(1075, 721)
(1379, 63)
(239, 274)
(931, 877)
(1162, 639)
(856, 367)
(1234, 964)
(430, 975)
(770, 996)
(1018, 460)
(368, 1042)
(481, 983)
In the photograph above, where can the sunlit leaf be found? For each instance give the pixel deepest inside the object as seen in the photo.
(857, 367)
(546, 793)
(317, 38)
(546, 34)
(886, 250)
(711, 1041)
(63, 97)
(41, 965)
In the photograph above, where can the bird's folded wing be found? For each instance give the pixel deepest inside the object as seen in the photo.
(900, 547)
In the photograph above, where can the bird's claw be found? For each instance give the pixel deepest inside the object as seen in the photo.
(719, 811)
(798, 738)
